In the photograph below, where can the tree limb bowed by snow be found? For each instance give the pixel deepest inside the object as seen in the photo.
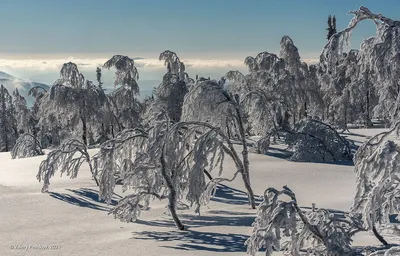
(26, 146)
(67, 159)
(378, 179)
(281, 225)
(315, 141)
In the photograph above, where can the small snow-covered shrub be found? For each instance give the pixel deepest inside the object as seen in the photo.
(26, 146)
(262, 145)
(281, 225)
(314, 141)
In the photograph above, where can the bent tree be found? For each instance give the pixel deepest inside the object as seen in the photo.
(220, 109)
(167, 161)
(281, 224)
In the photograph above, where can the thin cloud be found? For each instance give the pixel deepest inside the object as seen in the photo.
(56, 64)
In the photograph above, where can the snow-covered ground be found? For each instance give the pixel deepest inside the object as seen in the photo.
(71, 219)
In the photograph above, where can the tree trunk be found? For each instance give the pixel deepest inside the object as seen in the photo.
(305, 109)
(378, 236)
(91, 169)
(245, 153)
(84, 130)
(228, 131)
(172, 193)
(172, 209)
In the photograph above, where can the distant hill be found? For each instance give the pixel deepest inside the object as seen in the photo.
(11, 82)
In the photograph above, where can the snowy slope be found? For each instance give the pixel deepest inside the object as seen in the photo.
(70, 215)
(11, 83)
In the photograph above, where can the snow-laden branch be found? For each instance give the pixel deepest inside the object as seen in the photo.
(378, 181)
(26, 146)
(316, 231)
(67, 159)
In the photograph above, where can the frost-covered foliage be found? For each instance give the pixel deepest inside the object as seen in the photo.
(67, 159)
(174, 65)
(170, 95)
(8, 123)
(38, 93)
(221, 109)
(165, 162)
(21, 112)
(174, 86)
(261, 116)
(209, 97)
(377, 190)
(370, 67)
(73, 106)
(277, 90)
(123, 107)
(281, 225)
(26, 146)
(315, 141)
(126, 73)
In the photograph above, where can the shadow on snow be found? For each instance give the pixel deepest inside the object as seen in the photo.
(195, 240)
(84, 197)
(229, 195)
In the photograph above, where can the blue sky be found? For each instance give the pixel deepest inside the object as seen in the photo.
(204, 27)
(207, 29)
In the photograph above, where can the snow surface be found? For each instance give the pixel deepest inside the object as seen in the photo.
(70, 215)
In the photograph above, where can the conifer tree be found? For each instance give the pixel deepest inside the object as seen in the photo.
(8, 126)
(21, 112)
(331, 27)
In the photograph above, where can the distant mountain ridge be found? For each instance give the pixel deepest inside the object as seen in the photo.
(11, 83)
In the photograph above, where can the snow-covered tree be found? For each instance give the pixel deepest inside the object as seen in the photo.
(174, 65)
(26, 146)
(170, 94)
(8, 123)
(73, 101)
(165, 162)
(378, 179)
(98, 77)
(124, 106)
(67, 159)
(315, 141)
(281, 225)
(285, 87)
(372, 62)
(174, 86)
(21, 112)
(38, 93)
(222, 110)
